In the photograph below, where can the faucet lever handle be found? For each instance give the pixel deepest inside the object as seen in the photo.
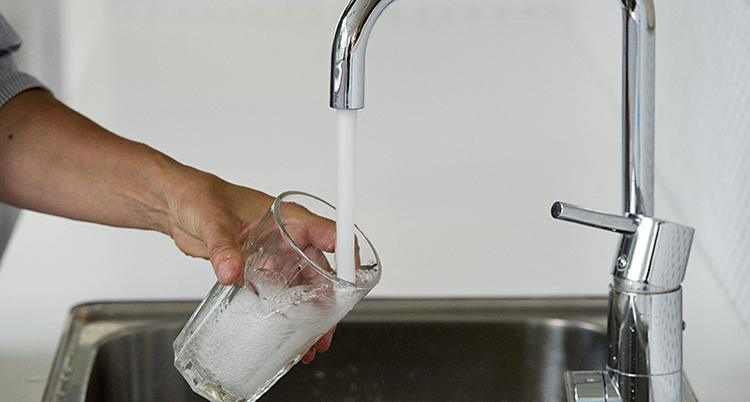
(593, 218)
(652, 252)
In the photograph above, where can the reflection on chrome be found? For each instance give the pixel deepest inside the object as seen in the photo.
(645, 302)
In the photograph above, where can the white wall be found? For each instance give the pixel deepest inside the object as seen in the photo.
(479, 115)
(40, 23)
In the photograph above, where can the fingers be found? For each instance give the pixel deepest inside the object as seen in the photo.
(324, 342)
(322, 346)
(207, 217)
(306, 228)
(317, 256)
(189, 244)
(221, 241)
(219, 247)
(321, 233)
(308, 356)
(227, 267)
(314, 235)
(215, 241)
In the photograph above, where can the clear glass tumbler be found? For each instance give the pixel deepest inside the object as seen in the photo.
(244, 337)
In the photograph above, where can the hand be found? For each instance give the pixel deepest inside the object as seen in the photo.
(321, 346)
(209, 217)
(56, 161)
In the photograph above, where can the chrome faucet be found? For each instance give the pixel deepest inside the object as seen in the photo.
(348, 54)
(645, 298)
(645, 324)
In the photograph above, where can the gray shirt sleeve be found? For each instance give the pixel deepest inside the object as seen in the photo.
(12, 81)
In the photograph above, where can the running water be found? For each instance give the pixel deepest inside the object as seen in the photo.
(345, 210)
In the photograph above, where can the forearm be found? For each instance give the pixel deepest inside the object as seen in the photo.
(56, 161)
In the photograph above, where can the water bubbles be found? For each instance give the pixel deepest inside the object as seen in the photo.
(250, 341)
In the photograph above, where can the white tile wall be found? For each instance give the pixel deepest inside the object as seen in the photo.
(705, 121)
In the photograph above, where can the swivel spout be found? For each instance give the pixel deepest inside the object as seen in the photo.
(645, 320)
(347, 89)
(348, 54)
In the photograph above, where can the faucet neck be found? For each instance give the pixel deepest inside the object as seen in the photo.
(348, 53)
(638, 72)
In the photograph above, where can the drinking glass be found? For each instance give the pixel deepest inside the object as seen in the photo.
(244, 337)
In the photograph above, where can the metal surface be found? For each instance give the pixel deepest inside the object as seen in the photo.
(590, 386)
(649, 343)
(348, 53)
(589, 217)
(645, 360)
(384, 350)
(654, 258)
(645, 325)
(645, 315)
(594, 386)
(347, 86)
(652, 255)
(638, 83)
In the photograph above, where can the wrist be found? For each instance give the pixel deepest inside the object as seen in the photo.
(165, 180)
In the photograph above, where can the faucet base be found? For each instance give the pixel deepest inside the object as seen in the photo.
(601, 386)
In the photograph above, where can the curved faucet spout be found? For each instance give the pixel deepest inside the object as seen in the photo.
(348, 54)
(645, 320)
(347, 89)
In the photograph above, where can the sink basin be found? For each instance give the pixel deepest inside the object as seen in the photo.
(390, 350)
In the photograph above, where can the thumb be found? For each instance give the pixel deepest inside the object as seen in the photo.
(221, 242)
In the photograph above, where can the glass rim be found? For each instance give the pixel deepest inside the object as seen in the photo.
(275, 208)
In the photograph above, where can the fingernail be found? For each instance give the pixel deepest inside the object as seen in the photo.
(324, 343)
(308, 357)
(225, 270)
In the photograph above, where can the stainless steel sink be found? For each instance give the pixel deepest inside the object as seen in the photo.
(390, 350)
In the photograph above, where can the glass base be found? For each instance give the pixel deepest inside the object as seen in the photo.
(214, 392)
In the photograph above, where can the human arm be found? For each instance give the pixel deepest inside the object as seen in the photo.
(56, 161)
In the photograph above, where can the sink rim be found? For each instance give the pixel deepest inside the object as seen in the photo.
(92, 324)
